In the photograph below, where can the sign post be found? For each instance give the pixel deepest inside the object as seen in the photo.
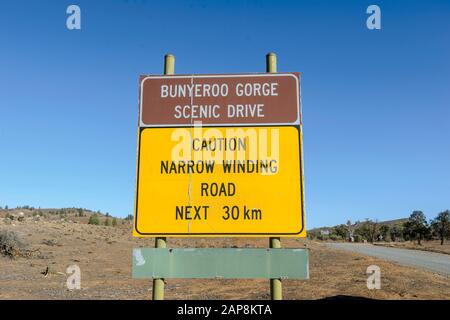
(160, 242)
(276, 292)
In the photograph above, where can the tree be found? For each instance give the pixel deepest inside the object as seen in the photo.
(93, 220)
(311, 235)
(384, 231)
(350, 230)
(107, 222)
(373, 229)
(340, 231)
(361, 232)
(129, 217)
(6, 207)
(441, 225)
(368, 230)
(416, 227)
(396, 232)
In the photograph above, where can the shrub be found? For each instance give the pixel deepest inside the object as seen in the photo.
(80, 212)
(11, 245)
(322, 237)
(108, 222)
(334, 237)
(341, 231)
(114, 222)
(93, 220)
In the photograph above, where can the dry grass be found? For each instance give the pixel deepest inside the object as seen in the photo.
(434, 246)
(104, 256)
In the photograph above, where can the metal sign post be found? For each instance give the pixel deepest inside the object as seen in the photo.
(276, 291)
(160, 242)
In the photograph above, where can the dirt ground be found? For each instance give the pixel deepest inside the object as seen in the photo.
(104, 255)
(433, 246)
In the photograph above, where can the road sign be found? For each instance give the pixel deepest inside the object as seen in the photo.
(220, 263)
(219, 99)
(219, 155)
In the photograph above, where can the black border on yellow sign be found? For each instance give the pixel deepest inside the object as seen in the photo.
(302, 213)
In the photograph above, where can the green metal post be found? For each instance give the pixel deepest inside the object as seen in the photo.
(276, 291)
(158, 284)
(169, 64)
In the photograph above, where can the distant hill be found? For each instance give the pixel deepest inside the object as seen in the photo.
(361, 231)
(389, 223)
(80, 215)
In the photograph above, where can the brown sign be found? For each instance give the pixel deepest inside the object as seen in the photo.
(183, 100)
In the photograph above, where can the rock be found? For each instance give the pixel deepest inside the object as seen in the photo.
(50, 242)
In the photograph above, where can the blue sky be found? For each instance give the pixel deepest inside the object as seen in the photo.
(376, 103)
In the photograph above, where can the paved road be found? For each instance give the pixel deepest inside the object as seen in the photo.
(437, 262)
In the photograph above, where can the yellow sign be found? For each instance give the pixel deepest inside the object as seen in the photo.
(219, 181)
